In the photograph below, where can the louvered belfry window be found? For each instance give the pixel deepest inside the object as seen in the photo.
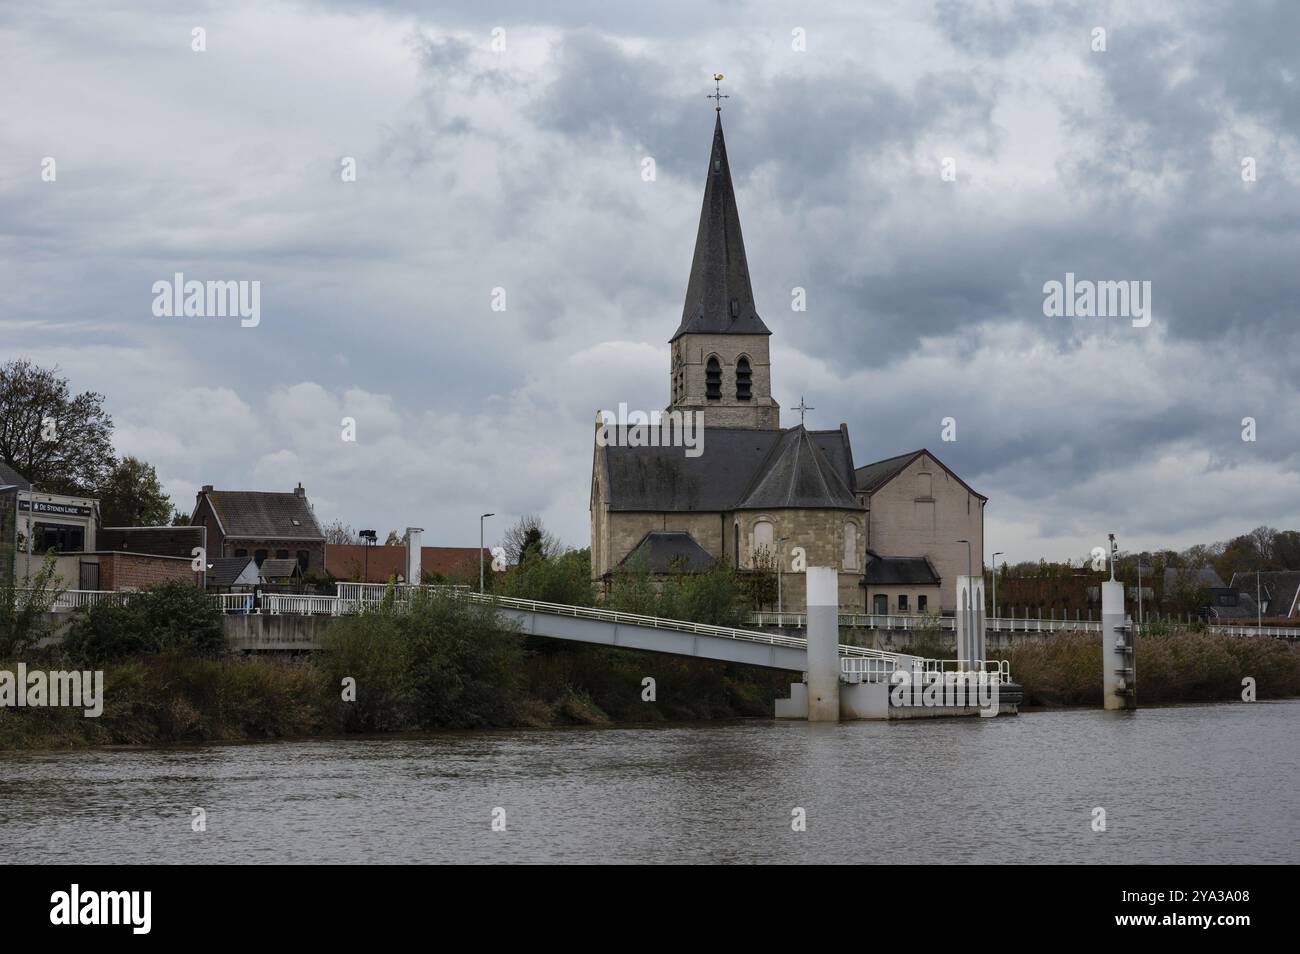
(713, 380)
(744, 380)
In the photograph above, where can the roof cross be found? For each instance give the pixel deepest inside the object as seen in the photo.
(718, 96)
(802, 408)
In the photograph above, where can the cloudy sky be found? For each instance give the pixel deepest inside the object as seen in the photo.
(501, 145)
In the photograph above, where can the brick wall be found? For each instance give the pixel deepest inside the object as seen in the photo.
(138, 571)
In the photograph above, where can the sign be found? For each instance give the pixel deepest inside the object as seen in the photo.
(56, 509)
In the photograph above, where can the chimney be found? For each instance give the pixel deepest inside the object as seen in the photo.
(298, 491)
(207, 489)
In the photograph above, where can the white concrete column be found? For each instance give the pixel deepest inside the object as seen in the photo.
(1119, 672)
(823, 585)
(414, 535)
(970, 619)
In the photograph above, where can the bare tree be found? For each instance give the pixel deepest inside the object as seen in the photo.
(337, 532)
(528, 536)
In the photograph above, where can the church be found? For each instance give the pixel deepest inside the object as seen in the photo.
(896, 529)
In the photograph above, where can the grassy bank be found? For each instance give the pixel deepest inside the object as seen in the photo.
(165, 699)
(1178, 666)
(439, 663)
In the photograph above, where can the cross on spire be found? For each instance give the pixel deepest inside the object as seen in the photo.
(802, 408)
(718, 95)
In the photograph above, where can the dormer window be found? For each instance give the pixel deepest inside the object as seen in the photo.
(744, 380)
(713, 380)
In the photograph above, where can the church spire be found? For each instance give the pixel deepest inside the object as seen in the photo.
(719, 299)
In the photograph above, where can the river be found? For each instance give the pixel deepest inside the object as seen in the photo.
(1212, 783)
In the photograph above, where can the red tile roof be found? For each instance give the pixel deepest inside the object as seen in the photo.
(347, 561)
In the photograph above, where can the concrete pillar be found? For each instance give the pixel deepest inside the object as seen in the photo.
(823, 584)
(1119, 672)
(414, 535)
(970, 619)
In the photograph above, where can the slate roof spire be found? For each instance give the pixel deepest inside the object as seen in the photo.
(719, 299)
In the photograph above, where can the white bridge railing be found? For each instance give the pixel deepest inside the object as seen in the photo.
(857, 669)
(1002, 624)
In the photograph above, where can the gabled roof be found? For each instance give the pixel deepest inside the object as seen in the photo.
(275, 569)
(1192, 577)
(224, 571)
(733, 464)
(255, 513)
(10, 476)
(669, 551)
(901, 571)
(719, 297)
(871, 477)
(797, 474)
(1277, 587)
(158, 541)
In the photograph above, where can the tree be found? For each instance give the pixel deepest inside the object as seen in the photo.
(337, 532)
(60, 442)
(133, 497)
(23, 619)
(528, 537)
(180, 518)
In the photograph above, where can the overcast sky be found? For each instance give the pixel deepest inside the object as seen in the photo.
(521, 168)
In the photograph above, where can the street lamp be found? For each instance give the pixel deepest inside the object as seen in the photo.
(970, 565)
(480, 548)
(995, 580)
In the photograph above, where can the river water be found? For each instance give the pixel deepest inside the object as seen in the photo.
(1214, 783)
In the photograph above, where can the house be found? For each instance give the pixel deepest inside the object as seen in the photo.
(262, 525)
(232, 575)
(1279, 592)
(901, 585)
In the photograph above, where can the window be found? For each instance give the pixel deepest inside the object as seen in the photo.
(880, 604)
(744, 380)
(925, 485)
(902, 602)
(921, 603)
(713, 380)
(282, 554)
(762, 543)
(259, 557)
(241, 552)
(59, 538)
(850, 546)
(303, 559)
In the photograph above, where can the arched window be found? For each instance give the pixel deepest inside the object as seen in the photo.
(761, 545)
(744, 380)
(850, 546)
(713, 380)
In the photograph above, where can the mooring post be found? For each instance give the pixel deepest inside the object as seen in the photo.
(823, 590)
(1119, 671)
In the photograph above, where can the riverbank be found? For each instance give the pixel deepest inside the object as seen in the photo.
(381, 677)
(167, 699)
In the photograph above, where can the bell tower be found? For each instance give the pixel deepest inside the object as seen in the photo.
(720, 357)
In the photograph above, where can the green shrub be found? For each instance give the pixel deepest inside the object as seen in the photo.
(172, 617)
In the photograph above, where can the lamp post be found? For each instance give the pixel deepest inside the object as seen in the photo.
(995, 580)
(1259, 608)
(480, 548)
(970, 565)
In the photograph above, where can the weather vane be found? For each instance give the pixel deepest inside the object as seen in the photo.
(718, 96)
(803, 408)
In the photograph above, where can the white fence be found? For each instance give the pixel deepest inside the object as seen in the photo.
(358, 597)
